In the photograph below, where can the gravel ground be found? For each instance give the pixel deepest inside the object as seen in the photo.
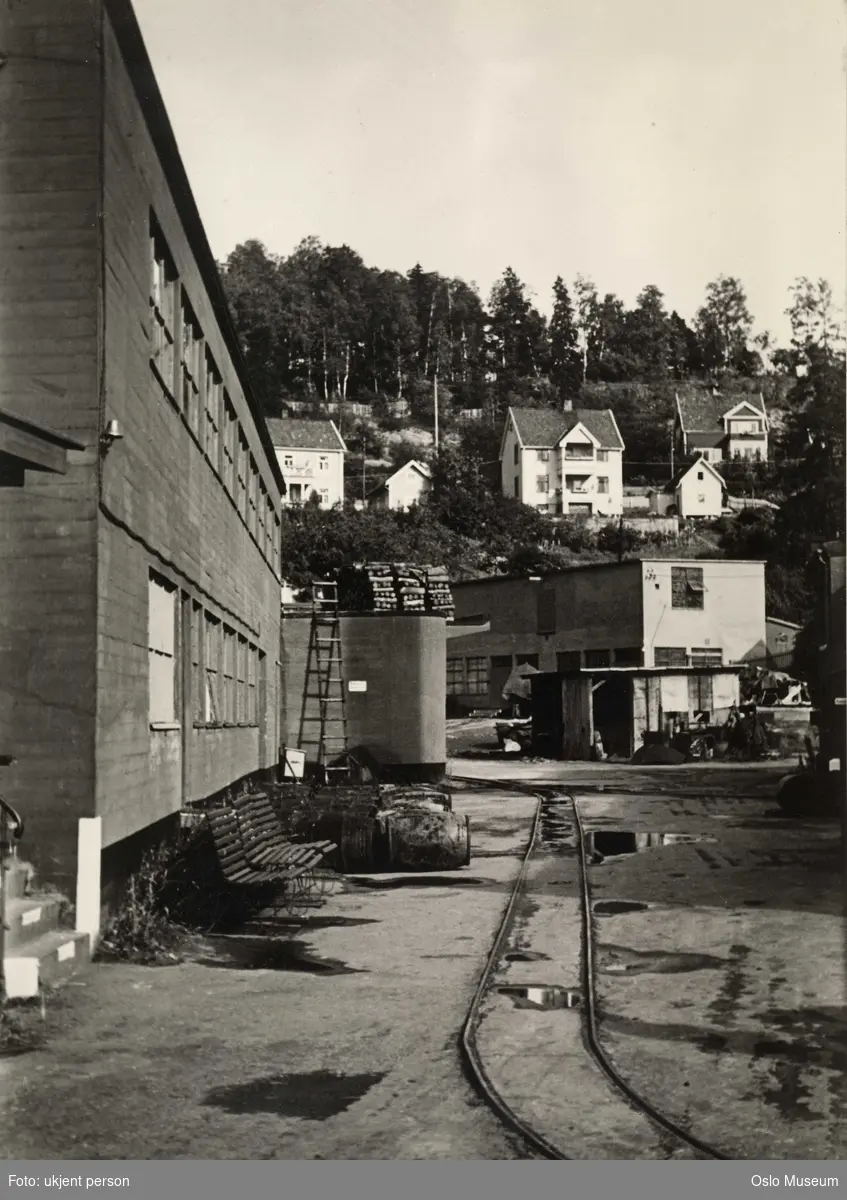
(720, 989)
(720, 983)
(220, 1058)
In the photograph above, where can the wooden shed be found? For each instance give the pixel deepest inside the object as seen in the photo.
(622, 704)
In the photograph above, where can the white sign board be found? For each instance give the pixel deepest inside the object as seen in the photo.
(357, 685)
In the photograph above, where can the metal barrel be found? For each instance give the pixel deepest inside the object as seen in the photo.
(424, 840)
(358, 843)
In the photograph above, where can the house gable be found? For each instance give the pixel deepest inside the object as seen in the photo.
(739, 411)
(578, 433)
(703, 464)
(510, 425)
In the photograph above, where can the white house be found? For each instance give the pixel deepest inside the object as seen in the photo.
(311, 456)
(407, 486)
(567, 462)
(696, 490)
(719, 426)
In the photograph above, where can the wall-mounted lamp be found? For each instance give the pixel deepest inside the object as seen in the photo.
(111, 434)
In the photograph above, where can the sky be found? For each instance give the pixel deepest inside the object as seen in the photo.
(631, 141)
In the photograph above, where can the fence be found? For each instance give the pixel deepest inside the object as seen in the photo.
(785, 661)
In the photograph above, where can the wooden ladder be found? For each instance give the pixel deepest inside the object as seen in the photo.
(326, 728)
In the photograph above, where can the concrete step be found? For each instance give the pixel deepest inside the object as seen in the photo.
(30, 917)
(47, 960)
(16, 878)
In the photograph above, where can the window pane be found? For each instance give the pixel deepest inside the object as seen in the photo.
(477, 675)
(455, 676)
(161, 616)
(687, 587)
(161, 686)
(670, 656)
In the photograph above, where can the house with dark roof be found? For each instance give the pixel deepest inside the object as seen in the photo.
(719, 426)
(563, 462)
(405, 487)
(696, 490)
(311, 457)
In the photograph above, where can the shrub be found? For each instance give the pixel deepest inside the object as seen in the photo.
(177, 887)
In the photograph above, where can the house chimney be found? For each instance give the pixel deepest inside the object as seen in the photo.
(567, 406)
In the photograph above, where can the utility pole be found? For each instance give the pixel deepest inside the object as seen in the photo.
(672, 432)
(364, 468)
(435, 407)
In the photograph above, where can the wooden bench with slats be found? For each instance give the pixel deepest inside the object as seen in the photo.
(277, 882)
(266, 844)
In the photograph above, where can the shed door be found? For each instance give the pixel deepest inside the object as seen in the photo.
(700, 693)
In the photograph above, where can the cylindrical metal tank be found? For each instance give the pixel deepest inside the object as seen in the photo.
(396, 681)
(295, 635)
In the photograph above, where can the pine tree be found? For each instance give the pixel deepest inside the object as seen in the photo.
(565, 357)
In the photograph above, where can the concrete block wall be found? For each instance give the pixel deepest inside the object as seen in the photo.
(49, 202)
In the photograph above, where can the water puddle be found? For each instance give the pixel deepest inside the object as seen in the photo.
(525, 956)
(612, 843)
(265, 954)
(542, 997)
(620, 960)
(417, 881)
(311, 1096)
(610, 908)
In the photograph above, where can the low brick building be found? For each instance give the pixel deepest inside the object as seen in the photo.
(139, 597)
(650, 613)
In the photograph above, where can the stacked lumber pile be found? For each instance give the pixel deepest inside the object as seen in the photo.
(410, 586)
(396, 588)
(439, 598)
(367, 588)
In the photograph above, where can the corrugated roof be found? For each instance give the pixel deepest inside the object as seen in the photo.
(542, 428)
(290, 433)
(701, 411)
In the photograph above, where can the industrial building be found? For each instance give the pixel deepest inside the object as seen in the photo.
(643, 613)
(141, 498)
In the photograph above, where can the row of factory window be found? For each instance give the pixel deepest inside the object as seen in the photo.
(187, 371)
(471, 676)
(220, 684)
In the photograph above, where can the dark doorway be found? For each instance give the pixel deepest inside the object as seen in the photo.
(499, 672)
(612, 702)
